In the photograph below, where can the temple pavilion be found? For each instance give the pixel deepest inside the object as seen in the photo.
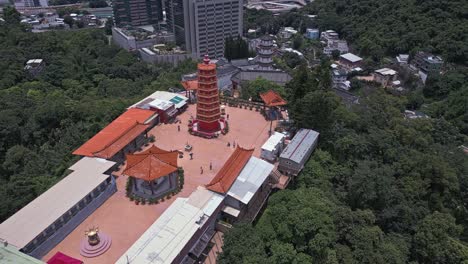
(154, 172)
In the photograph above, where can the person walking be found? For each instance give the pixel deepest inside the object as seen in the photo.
(211, 166)
(201, 170)
(178, 128)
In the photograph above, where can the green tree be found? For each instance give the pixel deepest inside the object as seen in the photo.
(436, 240)
(11, 15)
(253, 89)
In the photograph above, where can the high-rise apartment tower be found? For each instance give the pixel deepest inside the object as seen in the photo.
(137, 12)
(201, 26)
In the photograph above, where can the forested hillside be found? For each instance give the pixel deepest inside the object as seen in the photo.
(378, 27)
(380, 188)
(86, 83)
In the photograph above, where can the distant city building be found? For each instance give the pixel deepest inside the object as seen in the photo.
(350, 61)
(287, 32)
(332, 42)
(160, 54)
(385, 76)
(339, 79)
(209, 22)
(175, 19)
(339, 45)
(402, 59)
(137, 12)
(34, 66)
(414, 114)
(328, 36)
(298, 151)
(31, 3)
(278, 6)
(312, 33)
(427, 63)
(132, 39)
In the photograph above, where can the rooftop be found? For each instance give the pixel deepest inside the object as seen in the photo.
(351, 57)
(190, 85)
(170, 98)
(386, 71)
(11, 255)
(22, 227)
(163, 241)
(117, 134)
(273, 141)
(115, 214)
(299, 145)
(254, 174)
(151, 164)
(231, 169)
(160, 104)
(272, 98)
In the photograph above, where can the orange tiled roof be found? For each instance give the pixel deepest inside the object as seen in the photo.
(223, 180)
(190, 85)
(117, 134)
(151, 164)
(272, 98)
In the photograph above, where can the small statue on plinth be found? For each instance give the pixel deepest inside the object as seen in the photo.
(93, 237)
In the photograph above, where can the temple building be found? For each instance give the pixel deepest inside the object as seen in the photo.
(154, 171)
(125, 134)
(181, 234)
(265, 53)
(208, 121)
(263, 67)
(43, 223)
(245, 182)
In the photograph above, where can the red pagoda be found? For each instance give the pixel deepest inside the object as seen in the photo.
(208, 122)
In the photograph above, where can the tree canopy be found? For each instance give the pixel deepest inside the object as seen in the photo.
(380, 188)
(85, 84)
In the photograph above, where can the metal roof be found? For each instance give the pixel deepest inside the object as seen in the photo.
(300, 144)
(161, 104)
(351, 57)
(386, 71)
(163, 99)
(273, 141)
(11, 255)
(254, 174)
(22, 227)
(170, 233)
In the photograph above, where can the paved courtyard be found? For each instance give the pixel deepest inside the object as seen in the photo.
(125, 222)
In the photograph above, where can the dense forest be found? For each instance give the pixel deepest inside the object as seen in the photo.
(380, 188)
(86, 83)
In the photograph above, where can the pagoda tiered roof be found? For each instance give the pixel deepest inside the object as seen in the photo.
(151, 164)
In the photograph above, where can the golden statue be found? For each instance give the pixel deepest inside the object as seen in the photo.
(93, 237)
